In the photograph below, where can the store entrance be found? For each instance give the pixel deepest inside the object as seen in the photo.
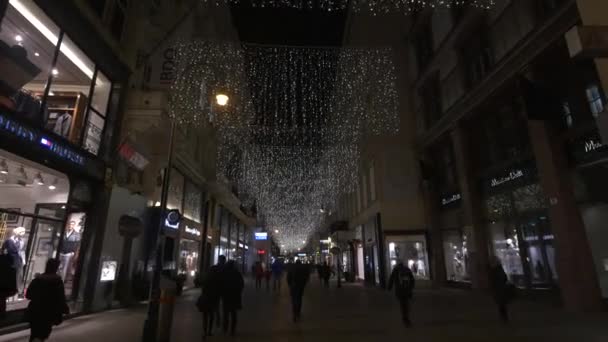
(538, 250)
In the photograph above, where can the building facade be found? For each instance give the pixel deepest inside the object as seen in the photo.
(510, 146)
(64, 72)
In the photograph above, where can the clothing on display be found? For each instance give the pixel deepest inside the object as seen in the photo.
(63, 124)
(15, 248)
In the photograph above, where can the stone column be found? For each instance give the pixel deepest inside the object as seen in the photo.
(431, 211)
(575, 267)
(472, 209)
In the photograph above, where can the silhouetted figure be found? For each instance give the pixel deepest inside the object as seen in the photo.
(231, 292)
(500, 288)
(277, 274)
(221, 262)
(47, 302)
(297, 279)
(8, 281)
(403, 280)
(258, 271)
(209, 301)
(325, 274)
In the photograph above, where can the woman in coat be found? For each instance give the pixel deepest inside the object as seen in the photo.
(231, 292)
(47, 302)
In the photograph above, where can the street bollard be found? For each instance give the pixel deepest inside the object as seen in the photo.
(165, 319)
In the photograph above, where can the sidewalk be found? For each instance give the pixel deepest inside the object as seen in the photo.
(353, 313)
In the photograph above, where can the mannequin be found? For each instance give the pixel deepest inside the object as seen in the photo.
(15, 248)
(69, 249)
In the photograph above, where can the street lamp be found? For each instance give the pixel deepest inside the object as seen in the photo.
(221, 99)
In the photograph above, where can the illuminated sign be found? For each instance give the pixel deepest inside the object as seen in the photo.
(108, 271)
(172, 220)
(513, 175)
(192, 231)
(449, 199)
(261, 251)
(301, 254)
(261, 236)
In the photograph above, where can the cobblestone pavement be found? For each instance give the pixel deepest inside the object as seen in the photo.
(353, 313)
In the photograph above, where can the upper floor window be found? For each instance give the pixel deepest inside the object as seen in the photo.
(431, 99)
(113, 14)
(478, 59)
(423, 44)
(594, 98)
(47, 81)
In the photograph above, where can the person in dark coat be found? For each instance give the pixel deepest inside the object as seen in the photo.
(499, 283)
(47, 302)
(209, 300)
(297, 277)
(325, 274)
(231, 293)
(8, 281)
(404, 282)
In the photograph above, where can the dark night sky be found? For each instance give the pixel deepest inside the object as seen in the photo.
(289, 26)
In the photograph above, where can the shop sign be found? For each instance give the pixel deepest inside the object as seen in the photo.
(193, 231)
(513, 175)
(588, 149)
(131, 156)
(172, 219)
(108, 270)
(261, 236)
(450, 199)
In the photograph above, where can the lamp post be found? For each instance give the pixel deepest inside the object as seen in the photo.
(150, 331)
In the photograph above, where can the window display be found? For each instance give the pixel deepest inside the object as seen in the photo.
(457, 262)
(188, 260)
(32, 208)
(69, 249)
(412, 251)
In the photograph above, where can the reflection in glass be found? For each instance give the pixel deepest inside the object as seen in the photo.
(457, 262)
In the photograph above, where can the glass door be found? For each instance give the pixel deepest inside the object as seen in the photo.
(538, 243)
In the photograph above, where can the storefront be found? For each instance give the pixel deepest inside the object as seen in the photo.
(189, 250)
(371, 254)
(55, 100)
(519, 227)
(454, 239)
(411, 249)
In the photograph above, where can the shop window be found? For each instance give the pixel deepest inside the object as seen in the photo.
(594, 98)
(47, 80)
(176, 191)
(506, 247)
(32, 210)
(188, 261)
(411, 250)
(193, 198)
(528, 198)
(456, 254)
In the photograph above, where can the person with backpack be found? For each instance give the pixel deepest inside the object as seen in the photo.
(209, 300)
(403, 280)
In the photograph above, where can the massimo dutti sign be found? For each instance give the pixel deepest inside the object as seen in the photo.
(510, 176)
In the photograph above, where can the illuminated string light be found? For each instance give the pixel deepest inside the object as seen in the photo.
(373, 7)
(290, 136)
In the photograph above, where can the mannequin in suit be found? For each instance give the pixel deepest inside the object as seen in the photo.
(14, 247)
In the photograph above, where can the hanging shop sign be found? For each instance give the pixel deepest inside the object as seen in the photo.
(21, 135)
(172, 220)
(587, 150)
(130, 154)
(108, 270)
(511, 176)
(450, 199)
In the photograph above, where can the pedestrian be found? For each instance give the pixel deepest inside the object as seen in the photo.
(297, 279)
(221, 263)
(325, 274)
(502, 290)
(231, 293)
(209, 300)
(277, 274)
(47, 302)
(8, 281)
(258, 271)
(403, 280)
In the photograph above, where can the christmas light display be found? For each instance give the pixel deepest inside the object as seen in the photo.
(290, 135)
(373, 7)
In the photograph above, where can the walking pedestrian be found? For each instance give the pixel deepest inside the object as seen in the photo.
(277, 274)
(403, 280)
(8, 281)
(297, 279)
(209, 300)
(502, 290)
(258, 271)
(47, 302)
(325, 274)
(221, 263)
(231, 292)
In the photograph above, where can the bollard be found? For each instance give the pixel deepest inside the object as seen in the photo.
(165, 317)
